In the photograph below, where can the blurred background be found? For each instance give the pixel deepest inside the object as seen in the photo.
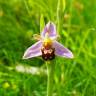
(76, 23)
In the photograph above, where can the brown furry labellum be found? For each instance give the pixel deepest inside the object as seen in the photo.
(48, 53)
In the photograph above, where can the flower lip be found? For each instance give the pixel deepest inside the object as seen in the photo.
(48, 54)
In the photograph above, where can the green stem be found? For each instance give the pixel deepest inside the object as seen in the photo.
(50, 73)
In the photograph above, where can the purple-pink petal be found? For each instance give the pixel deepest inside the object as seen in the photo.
(50, 28)
(33, 51)
(60, 50)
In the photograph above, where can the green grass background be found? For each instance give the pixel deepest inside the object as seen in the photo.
(76, 23)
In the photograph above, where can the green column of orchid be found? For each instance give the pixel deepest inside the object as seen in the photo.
(50, 73)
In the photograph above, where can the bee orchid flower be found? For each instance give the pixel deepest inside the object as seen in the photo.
(47, 46)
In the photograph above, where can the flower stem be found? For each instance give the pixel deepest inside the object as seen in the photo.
(50, 73)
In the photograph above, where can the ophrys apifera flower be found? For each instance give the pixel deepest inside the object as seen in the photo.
(47, 46)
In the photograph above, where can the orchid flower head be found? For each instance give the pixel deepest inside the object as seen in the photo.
(47, 46)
